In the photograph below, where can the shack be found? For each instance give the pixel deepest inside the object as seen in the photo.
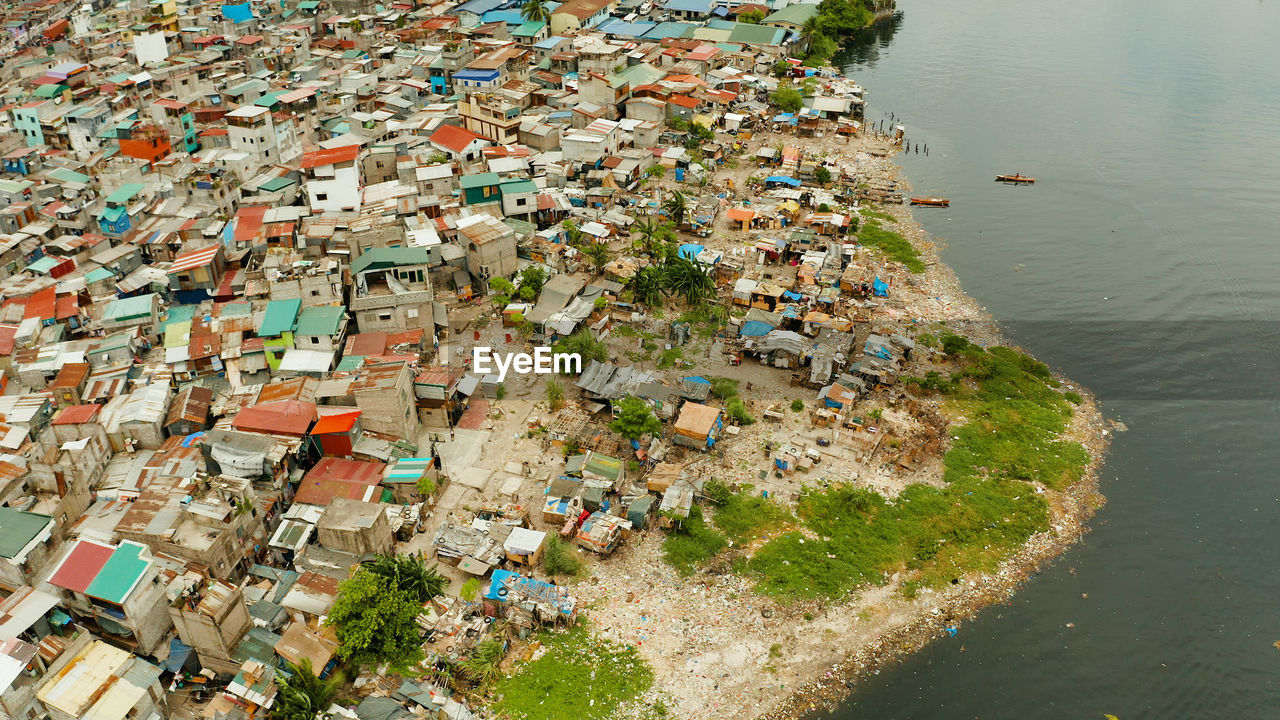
(698, 426)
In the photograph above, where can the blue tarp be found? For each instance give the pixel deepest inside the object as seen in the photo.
(784, 179)
(792, 296)
(689, 251)
(755, 328)
(698, 379)
(238, 13)
(880, 287)
(178, 654)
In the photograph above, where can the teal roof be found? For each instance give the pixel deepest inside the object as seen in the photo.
(482, 179)
(308, 4)
(641, 74)
(280, 318)
(269, 99)
(65, 175)
(17, 529)
(792, 14)
(350, 363)
(116, 578)
(518, 186)
(529, 29)
(112, 214)
(323, 320)
(757, 34)
(125, 193)
(232, 309)
(382, 258)
(180, 314)
(98, 275)
(276, 183)
(43, 265)
(126, 308)
(49, 90)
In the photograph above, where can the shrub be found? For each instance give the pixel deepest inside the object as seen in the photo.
(797, 405)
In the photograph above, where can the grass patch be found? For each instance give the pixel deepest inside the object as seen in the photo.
(893, 245)
(692, 544)
(1011, 438)
(669, 358)
(873, 214)
(580, 677)
(746, 515)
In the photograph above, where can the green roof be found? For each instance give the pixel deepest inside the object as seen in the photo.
(49, 90)
(757, 34)
(127, 308)
(350, 363)
(126, 193)
(793, 14)
(382, 258)
(323, 320)
(481, 180)
(116, 578)
(180, 313)
(280, 318)
(177, 334)
(308, 4)
(519, 186)
(604, 466)
(233, 309)
(269, 99)
(276, 183)
(66, 175)
(17, 529)
(529, 29)
(112, 214)
(641, 74)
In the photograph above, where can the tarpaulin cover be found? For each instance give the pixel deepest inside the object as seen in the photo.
(755, 328)
(178, 654)
(784, 179)
(240, 462)
(880, 287)
(238, 13)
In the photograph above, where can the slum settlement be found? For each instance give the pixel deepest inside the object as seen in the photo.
(247, 464)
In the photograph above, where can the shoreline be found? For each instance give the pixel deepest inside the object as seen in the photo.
(1071, 511)
(720, 674)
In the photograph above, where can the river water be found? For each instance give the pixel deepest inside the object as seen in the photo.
(1143, 264)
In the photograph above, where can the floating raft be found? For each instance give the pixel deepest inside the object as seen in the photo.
(1015, 179)
(931, 201)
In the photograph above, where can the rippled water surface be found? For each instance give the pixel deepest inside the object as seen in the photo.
(1144, 263)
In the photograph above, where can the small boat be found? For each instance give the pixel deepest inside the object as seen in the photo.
(931, 201)
(1015, 178)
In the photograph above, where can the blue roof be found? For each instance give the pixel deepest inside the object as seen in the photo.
(690, 251)
(550, 42)
(702, 6)
(755, 328)
(475, 75)
(670, 30)
(625, 29)
(510, 17)
(785, 179)
(479, 7)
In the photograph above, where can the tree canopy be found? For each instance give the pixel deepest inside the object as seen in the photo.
(302, 695)
(635, 418)
(788, 99)
(376, 622)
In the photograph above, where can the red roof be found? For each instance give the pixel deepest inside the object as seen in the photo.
(370, 343)
(455, 138)
(42, 304)
(76, 414)
(336, 423)
(335, 477)
(249, 222)
(81, 566)
(332, 156)
(7, 332)
(194, 259)
(68, 306)
(683, 101)
(286, 417)
(249, 40)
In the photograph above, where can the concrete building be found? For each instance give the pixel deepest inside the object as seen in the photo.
(213, 619)
(333, 178)
(356, 527)
(92, 679)
(490, 247)
(384, 394)
(392, 289)
(254, 130)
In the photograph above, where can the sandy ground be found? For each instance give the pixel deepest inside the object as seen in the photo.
(718, 649)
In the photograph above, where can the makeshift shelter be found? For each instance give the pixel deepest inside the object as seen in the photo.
(601, 533)
(698, 426)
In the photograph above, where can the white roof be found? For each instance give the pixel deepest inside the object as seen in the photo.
(247, 111)
(523, 541)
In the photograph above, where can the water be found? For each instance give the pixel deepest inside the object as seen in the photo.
(1141, 264)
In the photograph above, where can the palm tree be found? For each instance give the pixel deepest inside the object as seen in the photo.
(486, 659)
(676, 207)
(572, 233)
(409, 573)
(647, 228)
(535, 11)
(687, 279)
(598, 253)
(809, 31)
(648, 286)
(303, 696)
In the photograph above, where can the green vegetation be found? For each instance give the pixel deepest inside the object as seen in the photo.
(482, 666)
(470, 590)
(668, 358)
(560, 558)
(751, 17)
(874, 214)
(597, 253)
(656, 171)
(737, 410)
(797, 405)
(301, 695)
(1073, 398)
(822, 174)
(1010, 439)
(787, 98)
(409, 573)
(893, 245)
(502, 391)
(532, 279)
(584, 343)
(635, 418)
(692, 543)
(535, 11)
(426, 486)
(676, 206)
(555, 394)
(836, 21)
(376, 622)
(743, 516)
(723, 387)
(580, 677)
